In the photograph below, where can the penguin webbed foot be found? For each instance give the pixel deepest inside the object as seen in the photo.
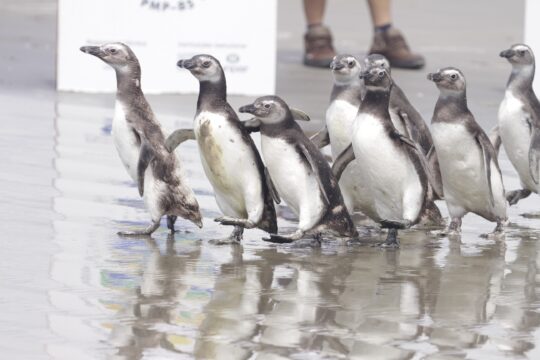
(496, 233)
(234, 239)
(392, 241)
(453, 229)
(285, 239)
(227, 220)
(513, 197)
(146, 232)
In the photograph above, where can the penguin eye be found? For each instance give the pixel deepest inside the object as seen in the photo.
(521, 52)
(112, 51)
(381, 73)
(351, 63)
(206, 64)
(453, 76)
(267, 106)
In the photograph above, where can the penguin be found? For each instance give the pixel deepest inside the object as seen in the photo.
(471, 176)
(408, 121)
(394, 177)
(345, 100)
(140, 143)
(519, 122)
(299, 173)
(229, 157)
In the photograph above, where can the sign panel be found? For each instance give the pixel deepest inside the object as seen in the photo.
(240, 33)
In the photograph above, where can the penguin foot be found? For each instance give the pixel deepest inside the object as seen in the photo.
(234, 239)
(306, 243)
(227, 220)
(355, 241)
(453, 229)
(395, 224)
(497, 233)
(514, 196)
(146, 232)
(286, 239)
(171, 220)
(392, 241)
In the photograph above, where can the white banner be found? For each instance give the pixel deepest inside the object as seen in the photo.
(240, 33)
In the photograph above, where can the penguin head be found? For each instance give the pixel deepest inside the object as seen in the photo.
(377, 78)
(448, 79)
(268, 109)
(203, 67)
(345, 68)
(118, 55)
(519, 55)
(377, 60)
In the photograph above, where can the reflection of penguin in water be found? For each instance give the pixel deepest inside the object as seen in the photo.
(393, 183)
(140, 143)
(470, 171)
(519, 122)
(228, 155)
(301, 175)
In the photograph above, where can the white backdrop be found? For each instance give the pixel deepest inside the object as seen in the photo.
(240, 33)
(532, 35)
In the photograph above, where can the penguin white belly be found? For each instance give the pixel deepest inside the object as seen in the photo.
(294, 182)
(339, 122)
(463, 175)
(230, 166)
(516, 137)
(388, 185)
(125, 141)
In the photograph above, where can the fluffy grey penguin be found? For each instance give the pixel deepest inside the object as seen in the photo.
(470, 172)
(408, 121)
(344, 103)
(140, 143)
(519, 121)
(299, 173)
(229, 157)
(394, 177)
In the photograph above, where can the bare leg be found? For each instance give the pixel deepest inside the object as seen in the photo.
(314, 10)
(391, 239)
(380, 12)
(146, 232)
(514, 196)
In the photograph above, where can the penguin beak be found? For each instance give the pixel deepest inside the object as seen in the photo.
(364, 74)
(435, 77)
(507, 53)
(92, 50)
(336, 66)
(186, 64)
(250, 109)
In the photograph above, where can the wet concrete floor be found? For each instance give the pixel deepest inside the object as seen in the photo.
(70, 288)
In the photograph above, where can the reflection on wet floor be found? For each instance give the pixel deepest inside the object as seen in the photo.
(179, 297)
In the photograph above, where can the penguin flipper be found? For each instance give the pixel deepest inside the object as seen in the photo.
(315, 168)
(146, 154)
(495, 139)
(271, 186)
(178, 137)
(321, 139)
(252, 125)
(483, 143)
(534, 155)
(435, 185)
(342, 161)
(299, 115)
